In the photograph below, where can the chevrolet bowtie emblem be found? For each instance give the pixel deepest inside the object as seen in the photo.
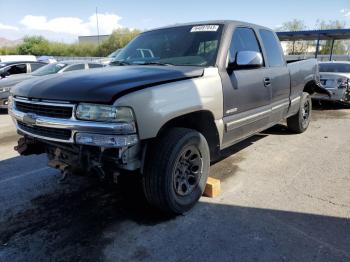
(30, 119)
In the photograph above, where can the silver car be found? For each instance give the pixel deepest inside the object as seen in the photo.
(54, 68)
(335, 77)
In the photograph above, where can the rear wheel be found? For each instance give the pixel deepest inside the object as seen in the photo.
(299, 122)
(176, 170)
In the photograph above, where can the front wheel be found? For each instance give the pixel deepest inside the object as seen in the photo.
(176, 170)
(299, 122)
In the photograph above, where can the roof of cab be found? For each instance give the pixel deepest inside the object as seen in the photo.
(210, 22)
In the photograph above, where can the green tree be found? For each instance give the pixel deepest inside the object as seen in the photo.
(293, 25)
(340, 46)
(118, 39)
(33, 45)
(38, 45)
(295, 47)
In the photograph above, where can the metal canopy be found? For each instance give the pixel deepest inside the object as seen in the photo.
(330, 34)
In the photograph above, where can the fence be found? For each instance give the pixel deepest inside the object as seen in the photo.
(86, 58)
(319, 57)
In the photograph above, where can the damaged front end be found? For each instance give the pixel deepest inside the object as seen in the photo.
(106, 163)
(74, 145)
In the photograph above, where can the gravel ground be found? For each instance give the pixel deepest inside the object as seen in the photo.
(284, 197)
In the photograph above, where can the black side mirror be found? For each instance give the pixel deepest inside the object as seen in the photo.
(4, 74)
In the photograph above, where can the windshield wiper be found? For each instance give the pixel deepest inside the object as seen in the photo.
(155, 63)
(119, 63)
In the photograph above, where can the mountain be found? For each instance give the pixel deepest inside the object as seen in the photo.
(8, 43)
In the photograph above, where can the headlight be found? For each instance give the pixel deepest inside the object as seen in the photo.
(4, 89)
(342, 81)
(10, 102)
(104, 113)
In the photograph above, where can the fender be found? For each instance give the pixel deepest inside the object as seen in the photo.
(159, 104)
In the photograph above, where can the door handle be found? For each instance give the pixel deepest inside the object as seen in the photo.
(267, 81)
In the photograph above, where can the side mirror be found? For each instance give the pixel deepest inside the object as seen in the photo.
(4, 74)
(246, 59)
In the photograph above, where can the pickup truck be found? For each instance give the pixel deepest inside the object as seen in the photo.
(207, 86)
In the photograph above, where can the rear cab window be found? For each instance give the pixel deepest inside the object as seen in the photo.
(273, 48)
(334, 67)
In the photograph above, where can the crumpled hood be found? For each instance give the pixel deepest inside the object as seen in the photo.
(102, 85)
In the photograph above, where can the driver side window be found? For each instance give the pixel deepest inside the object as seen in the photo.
(243, 39)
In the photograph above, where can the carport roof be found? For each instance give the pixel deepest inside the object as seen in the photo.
(331, 34)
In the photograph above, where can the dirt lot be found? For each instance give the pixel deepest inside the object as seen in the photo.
(284, 197)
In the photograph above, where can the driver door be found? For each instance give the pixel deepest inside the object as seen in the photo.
(247, 91)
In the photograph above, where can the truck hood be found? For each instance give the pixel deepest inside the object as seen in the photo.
(102, 85)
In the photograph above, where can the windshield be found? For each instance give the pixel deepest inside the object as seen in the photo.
(49, 69)
(184, 45)
(334, 68)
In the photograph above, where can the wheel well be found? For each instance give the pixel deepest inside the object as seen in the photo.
(201, 121)
(310, 87)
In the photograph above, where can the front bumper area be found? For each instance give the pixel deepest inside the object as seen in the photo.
(4, 100)
(337, 94)
(102, 134)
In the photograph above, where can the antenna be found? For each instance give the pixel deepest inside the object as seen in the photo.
(98, 33)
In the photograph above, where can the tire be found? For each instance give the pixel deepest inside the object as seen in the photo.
(176, 170)
(299, 122)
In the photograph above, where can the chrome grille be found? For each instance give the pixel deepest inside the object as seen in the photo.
(56, 133)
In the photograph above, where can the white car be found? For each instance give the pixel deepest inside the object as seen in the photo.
(10, 58)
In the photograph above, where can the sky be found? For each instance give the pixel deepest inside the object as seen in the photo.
(65, 20)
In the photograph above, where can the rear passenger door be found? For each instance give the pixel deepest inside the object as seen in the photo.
(247, 99)
(278, 74)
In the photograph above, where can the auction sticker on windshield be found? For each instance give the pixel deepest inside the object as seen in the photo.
(205, 28)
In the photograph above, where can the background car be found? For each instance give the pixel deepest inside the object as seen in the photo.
(106, 61)
(13, 58)
(18, 67)
(54, 68)
(47, 59)
(335, 77)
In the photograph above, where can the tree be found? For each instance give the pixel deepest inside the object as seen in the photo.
(33, 45)
(293, 25)
(295, 47)
(340, 47)
(118, 39)
(38, 45)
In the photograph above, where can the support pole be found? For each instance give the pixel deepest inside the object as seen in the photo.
(332, 47)
(317, 46)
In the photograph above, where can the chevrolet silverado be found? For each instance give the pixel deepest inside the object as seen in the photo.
(166, 116)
